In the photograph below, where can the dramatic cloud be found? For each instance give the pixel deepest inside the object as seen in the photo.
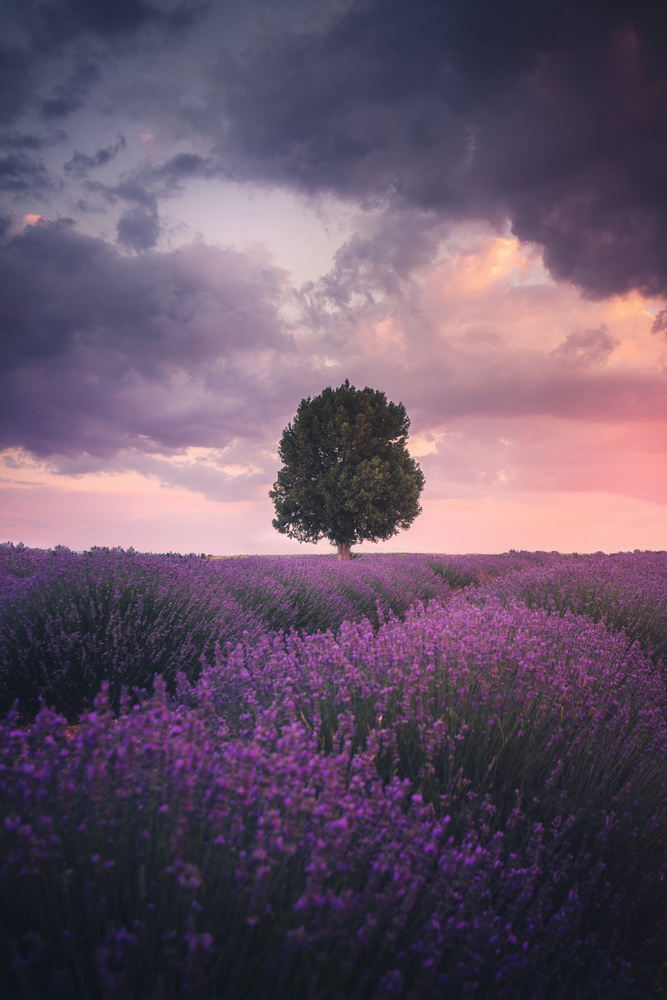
(20, 172)
(49, 25)
(117, 363)
(511, 381)
(139, 228)
(54, 52)
(549, 114)
(29, 141)
(81, 163)
(461, 203)
(481, 328)
(68, 97)
(101, 352)
(15, 79)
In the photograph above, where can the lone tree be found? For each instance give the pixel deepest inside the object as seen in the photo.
(347, 474)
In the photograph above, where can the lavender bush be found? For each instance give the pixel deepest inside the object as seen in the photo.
(469, 800)
(68, 622)
(80, 620)
(628, 591)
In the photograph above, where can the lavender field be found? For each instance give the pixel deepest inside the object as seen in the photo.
(414, 776)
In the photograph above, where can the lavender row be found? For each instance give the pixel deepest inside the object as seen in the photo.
(627, 591)
(469, 803)
(70, 621)
(78, 621)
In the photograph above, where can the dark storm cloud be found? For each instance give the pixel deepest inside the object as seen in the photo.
(30, 141)
(162, 103)
(53, 53)
(132, 190)
(69, 96)
(139, 228)
(20, 173)
(110, 16)
(142, 185)
(100, 352)
(380, 260)
(50, 25)
(122, 16)
(551, 114)
(182, 167)
(16, 78)
(81, 163)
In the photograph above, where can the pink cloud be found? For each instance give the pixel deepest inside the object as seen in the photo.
(538, 416)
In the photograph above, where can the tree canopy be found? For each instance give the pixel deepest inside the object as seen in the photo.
(347, 474)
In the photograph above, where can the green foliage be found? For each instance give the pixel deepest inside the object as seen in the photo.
(347, 474)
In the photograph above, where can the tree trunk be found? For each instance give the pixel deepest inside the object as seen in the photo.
(343, 551)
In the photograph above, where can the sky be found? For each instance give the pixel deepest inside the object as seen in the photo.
(211, 210)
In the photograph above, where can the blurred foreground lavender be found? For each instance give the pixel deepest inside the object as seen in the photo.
(461, 798)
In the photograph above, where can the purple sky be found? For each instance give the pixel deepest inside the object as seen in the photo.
(211, 210)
